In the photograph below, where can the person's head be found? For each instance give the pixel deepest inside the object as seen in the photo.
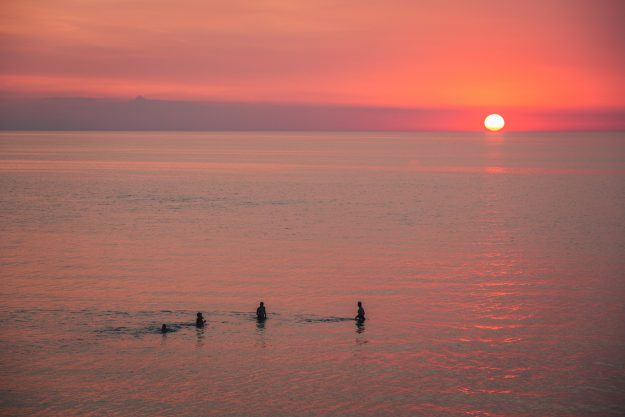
(262, 304)
(199, 314)
(359, 304)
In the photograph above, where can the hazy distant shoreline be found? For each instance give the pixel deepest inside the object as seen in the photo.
(141, 114)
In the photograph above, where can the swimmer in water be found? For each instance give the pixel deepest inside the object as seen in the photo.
(261, 313)
(361, 313)
(199, 321)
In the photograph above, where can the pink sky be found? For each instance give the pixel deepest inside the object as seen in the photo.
(534, 55)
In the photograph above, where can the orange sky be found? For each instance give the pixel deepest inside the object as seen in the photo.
(531, 54)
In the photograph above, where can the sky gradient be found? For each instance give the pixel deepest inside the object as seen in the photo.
(531, 57)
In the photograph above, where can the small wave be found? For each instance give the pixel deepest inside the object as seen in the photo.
(240, 314)
(122, 331)
(328, 319)
(142, 331)
(251, 315)
(113, 330)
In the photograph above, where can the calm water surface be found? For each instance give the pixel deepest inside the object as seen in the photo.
(491, 268)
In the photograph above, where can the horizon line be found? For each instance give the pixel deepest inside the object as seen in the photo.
(485, 132)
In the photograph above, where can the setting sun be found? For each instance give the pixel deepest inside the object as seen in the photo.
(494, 122)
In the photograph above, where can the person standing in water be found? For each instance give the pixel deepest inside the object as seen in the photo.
(261, 313)
(361, 313)
(199, 321)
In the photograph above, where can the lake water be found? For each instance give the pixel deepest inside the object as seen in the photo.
(491, 268)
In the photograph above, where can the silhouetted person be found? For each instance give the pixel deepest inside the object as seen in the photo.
(360, 317)
(199, 321)
(360, 327)
(261, 313)
(164, 328)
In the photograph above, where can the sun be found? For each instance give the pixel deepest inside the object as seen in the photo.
(494, 122)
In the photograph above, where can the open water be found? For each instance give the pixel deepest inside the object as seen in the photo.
(491, 268)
